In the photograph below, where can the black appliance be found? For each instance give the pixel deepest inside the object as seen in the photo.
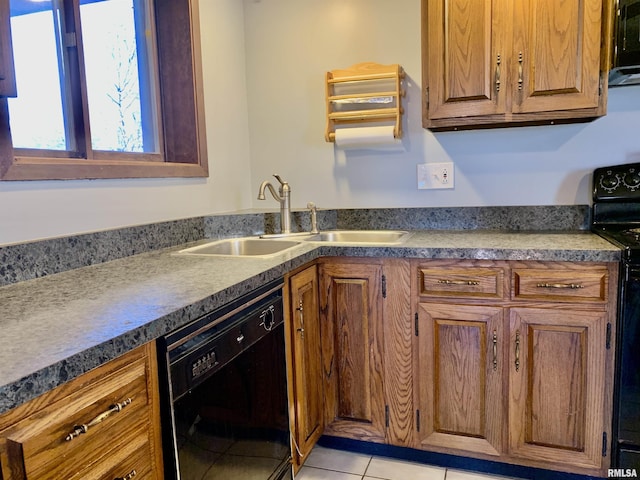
(225, 409)
(616, 217)
(625, 68)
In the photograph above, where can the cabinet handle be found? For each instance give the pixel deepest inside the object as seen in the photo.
(520, 60)
(458, 282)
(518, 351)
(301, 310)
(498, 74)
(495, 351)
(84, 428)
(128, 476)
(560, 285)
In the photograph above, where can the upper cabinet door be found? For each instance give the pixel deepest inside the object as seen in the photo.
(500, 62)
(464, 66)
(556, 55)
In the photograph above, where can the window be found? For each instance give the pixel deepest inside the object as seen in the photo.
(100, 89)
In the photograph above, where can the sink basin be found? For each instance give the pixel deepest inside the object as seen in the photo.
(241, 247)
(360, 236)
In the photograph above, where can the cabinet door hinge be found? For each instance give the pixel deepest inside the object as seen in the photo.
(69, 39)
(386, 416)
(384, 286)
(415, 326)
(418, 420)
(600, 86)
(604, 444)
(608, 336)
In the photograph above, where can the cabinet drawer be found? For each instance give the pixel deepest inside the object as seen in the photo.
(575, 285)
(132, 461)
(461, 282)
(48, 443)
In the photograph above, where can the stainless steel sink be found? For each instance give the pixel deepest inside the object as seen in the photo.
(360, 236)
(241, 247)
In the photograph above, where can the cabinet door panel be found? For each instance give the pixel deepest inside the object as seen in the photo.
(557, 364)
(305, 366)
(465, 62)
(459, 371)
(556, 55)
(352, 350)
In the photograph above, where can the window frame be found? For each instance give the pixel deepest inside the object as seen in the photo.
(183, 137)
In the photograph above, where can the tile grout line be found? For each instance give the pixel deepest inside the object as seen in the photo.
(367, 467)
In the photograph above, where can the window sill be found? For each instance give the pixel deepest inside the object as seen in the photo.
(29, 168)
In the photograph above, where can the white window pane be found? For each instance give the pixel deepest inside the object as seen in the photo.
(113, 74)
(36, 115)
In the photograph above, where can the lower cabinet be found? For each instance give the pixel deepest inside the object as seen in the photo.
(355, 366)
(513, 361)
(557, 362)
(304, 362)
(509, 361)
(102, 425)
(353, 350)
(459, 372)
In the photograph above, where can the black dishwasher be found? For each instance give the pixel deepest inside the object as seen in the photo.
(225, 412)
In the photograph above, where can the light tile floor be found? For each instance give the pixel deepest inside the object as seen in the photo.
(327, 464)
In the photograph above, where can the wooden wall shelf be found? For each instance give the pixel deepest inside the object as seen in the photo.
(362, 94)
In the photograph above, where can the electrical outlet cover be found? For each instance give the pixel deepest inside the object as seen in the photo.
(435, 175)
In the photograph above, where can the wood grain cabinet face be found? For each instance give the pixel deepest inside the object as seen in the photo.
(556, 384)
(459, 369)
(496, 62)
(516, 370)
(302, 330)
(352, 350)
(117, 403)
(463, 59)
(556, 46)
(577, 285)
(460, 282)
(367, 334)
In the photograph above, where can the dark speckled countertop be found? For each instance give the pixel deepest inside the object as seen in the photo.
(59, 326)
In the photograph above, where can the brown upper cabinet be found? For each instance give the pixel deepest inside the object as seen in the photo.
(497, 63)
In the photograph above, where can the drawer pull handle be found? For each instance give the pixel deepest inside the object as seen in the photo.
(498, 74)
(300, 308)
(84, 428)
(495, 350)
(560, 285)
(459, 282)
(518, 351)
(520, 80)
(128, 476)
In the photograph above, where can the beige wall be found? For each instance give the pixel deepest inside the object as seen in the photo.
(35, 210)
(291, 44)
(264, 63)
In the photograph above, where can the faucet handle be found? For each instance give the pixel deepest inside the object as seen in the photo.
(314, 219)
(282, 182)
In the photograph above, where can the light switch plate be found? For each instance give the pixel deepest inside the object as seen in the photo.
(435, 175)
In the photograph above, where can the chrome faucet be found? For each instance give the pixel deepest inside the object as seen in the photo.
(314, 217)
(283, 196)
